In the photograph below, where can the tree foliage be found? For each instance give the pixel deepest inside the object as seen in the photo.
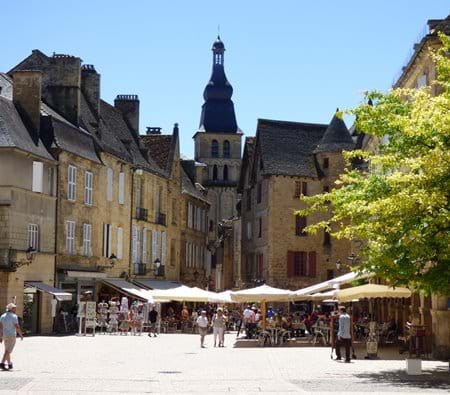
(399, 206)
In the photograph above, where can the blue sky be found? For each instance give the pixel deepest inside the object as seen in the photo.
(290, 60)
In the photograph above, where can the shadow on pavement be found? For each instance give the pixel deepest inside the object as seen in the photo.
(429, 379)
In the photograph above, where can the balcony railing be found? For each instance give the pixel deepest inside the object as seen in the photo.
(161, 219)
(140, 269)
(141, 214)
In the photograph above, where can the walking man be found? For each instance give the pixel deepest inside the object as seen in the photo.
(153, 318)
(344, 335)
(9, 328)
(202, 323)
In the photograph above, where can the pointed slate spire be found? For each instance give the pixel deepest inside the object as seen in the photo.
(336, 137)
(218, 110)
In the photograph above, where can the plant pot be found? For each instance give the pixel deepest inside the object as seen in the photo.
(413, 366)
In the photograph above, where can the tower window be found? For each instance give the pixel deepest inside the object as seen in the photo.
(226, 149)
(214, 172)
(225, 173)
(215, 149)
(326, 163)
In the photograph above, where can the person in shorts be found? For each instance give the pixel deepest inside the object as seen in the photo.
(202, 323)
(9, 328)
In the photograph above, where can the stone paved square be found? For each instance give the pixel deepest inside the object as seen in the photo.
(174, 363)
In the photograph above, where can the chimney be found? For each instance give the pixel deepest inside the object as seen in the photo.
(27, 99)
(62, 88)
(153, 130)
(90, 86)
(128, 105)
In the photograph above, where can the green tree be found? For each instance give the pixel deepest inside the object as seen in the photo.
(398, 207)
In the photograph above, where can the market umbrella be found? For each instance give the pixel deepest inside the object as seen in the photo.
(183, 294)
(263, 294)
(222, 297)
(370, 291)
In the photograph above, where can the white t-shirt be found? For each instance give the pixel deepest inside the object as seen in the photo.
(247, 313)
(202, 322)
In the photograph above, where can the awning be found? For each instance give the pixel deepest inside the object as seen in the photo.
(59, 294)
(330, 284)
(157, 284)
(370, 291)
(129, 289)
(262, 293)
(85, 274)
(183, 294)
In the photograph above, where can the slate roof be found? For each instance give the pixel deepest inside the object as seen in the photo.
(14, 134)
(102, 132)
(188, 181)
(336, 137)
(114, 121)
(159, 148)
(287, 148)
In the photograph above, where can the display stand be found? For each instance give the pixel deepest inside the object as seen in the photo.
(91, 317)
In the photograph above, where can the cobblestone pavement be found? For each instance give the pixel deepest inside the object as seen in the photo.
(174, 363)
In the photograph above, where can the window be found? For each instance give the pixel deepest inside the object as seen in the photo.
(261, 164)
(33, 236)
(38, 177)
(87, 239)
(301, 188)
(215, 149)
(259, 266)
(50, 180)
(72, 183)
(225, 173)
(226, 149)
(138, 192)
(155, 246)
(70, 237)
(215, 171)
(301, 264)
(107, 236)
(119, 243)
(121, 187)
(88, 187)
(109, 184)
(211, 225)
(260, 228)
(330, 274)
(163, 249)
(326, 238)
(249, 230)
(190, 216)
(326, 163)
(300, 225)
(422, 81)
(258, 192)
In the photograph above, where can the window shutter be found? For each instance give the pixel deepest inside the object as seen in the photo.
(186, 262)
(154, 245)
(134, 244)
(144, 245)
(163, 248)
(312, 264)
(290, 263)
(121, 187)
(38, 175)
(109, 186)
(119, 243)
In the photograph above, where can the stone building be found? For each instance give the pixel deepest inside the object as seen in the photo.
(27, 203)
(218, 147)
(194, 210)
(420, 71)
(284, 161)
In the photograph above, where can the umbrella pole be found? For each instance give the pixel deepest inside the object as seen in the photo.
(263, 314)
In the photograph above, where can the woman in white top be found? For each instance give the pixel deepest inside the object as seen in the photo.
(219, 323)
(202, 323)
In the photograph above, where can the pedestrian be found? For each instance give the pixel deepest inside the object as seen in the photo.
(9, 328)
(344, 336)
(202, 323)
(218, 324)
(152, 317)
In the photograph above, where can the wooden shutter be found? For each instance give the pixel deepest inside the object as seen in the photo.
(154, 245)
(119, 243)
(134, 243)
(312, 264)
(121, 187)
(38, 176)
(144, 245)
(290, 263)
(163, 248)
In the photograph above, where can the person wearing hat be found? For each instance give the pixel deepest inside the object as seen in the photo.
(202, 323)
(9, 328)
